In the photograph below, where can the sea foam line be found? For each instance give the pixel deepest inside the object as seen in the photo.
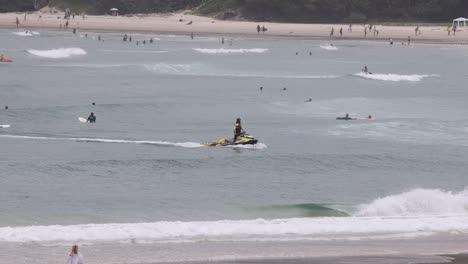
(229, 51)
(238, 229)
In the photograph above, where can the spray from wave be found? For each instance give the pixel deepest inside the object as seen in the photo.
(229, 51)
(394, 77)
(58, 53)
(418, 202)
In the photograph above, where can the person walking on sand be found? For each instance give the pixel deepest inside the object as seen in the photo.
(258, 29)
(448, 30)
(17, 22)
(365, 32)
(74, 257)
(341, 32)
(332, 32)
(416, 30)
(409, 40)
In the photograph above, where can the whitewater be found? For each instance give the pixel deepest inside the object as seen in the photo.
(60, 53)
(419, 212)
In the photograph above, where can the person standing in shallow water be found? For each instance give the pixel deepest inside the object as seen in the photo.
(74, 257)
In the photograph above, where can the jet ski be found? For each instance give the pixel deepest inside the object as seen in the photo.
(243, 139)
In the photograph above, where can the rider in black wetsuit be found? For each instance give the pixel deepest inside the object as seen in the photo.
(91, 118)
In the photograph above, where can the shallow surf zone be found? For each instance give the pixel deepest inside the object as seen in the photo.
(230, 51)
(447, 213)
(394, 77)
(57, 53)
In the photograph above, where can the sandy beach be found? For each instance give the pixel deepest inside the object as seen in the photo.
(183, 23)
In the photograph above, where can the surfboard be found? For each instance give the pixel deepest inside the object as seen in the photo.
(6, 60)
(82, 119)
(4, 126)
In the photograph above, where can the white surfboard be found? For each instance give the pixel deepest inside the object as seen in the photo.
(82, 119)
(5, 126)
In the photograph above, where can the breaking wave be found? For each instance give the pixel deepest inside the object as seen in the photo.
(58, 53)
(328, 47)
(26, 33)
(418, 202)
(411, 214)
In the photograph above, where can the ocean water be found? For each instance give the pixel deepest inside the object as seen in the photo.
(140, 173)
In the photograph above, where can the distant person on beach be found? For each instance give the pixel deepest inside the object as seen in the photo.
(391, 41)
(416, 30)
(151, 41)
(99, 37)
(264, 29)
(91, 118)
(24, 19)
(341, 32)
(350, 28)
(449, 28)
(74, 257)
(222, 40)
(258, 29)
(66, 25)
(365, 32)
(261, 88)
(17, 22)
(454, 29)
(332, 32)
(191, 35)
(409, 40)
(144, 42)
(130, 38)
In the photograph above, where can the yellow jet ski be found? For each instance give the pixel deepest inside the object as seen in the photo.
(244, 139)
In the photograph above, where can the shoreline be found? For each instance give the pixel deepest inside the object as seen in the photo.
(182, 24)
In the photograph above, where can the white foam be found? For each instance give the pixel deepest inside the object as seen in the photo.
(256, 146)
(58, 53)
(394, 77)
(328, 47)
(26, 33)
(276, 229)
(229, 51)
(102, 140)
(5, 126)
(418, 202)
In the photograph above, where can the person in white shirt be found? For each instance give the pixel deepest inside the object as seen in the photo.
(75, 257)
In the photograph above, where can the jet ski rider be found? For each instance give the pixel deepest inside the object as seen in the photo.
(238, 130)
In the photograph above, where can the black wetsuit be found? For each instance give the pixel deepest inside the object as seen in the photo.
(92, 119)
